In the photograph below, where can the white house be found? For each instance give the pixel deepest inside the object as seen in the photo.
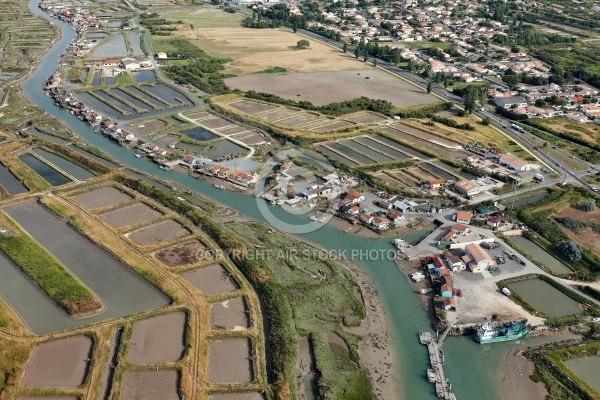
(381, 223)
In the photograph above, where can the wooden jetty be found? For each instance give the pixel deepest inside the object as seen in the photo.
(437, 363)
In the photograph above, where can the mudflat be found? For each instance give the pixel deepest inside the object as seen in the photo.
(103, 197)
(61, 363)
(159, 339)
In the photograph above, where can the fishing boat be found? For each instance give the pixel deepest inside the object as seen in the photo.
(430, 376)
(448, 384)
(486, 333)
(442, 356)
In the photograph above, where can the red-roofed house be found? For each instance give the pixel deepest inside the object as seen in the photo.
(463, 217)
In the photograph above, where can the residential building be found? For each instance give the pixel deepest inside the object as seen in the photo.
(130, 63)
(381, 223)
(434, 183)
(366, 218)
(463, 217)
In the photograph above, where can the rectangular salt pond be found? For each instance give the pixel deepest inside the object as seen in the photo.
(351, 153)
(121, 290)
(97, 78)
(134, 41)
(143, 76)
(10, 183)
(545, 298)
(335, 156)
(52, 176)
(199, 134)
(369, 152)
(588, 369)
(166, 93)
(114, 47)
(66, 165)
(540, 255)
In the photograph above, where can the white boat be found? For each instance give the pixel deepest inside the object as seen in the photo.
(448, 384)
(430, 376)
(219, 186)
(137, 155)
(425, 290)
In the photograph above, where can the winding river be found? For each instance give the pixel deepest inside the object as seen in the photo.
(473, 368)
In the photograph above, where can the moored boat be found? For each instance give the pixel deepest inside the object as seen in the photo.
(448, 384)
(487, 333)
(430, 376)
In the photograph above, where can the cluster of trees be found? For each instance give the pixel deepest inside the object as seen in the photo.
(341, 108)
(510, 115)
(452, 123)
(200, 70)
(157, 25)
(424, 111)
(569, 250)
(472, 94)
(302, 44)
(258, 24)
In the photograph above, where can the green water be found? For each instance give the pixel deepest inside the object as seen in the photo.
(540, 254)
(588, 369)
(545, 298)
(467, 363)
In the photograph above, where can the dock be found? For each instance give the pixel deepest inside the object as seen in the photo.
(436, 359)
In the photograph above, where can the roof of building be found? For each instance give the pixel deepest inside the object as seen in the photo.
(450, 301)
(478, 253)
(466, 185)
(507, 158)
(463, 215)
(446, 288)
(513, 100)
(460, 227)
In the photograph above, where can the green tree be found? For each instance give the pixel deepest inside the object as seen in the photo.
(429, 87)
(303, 44)
(588, 205)
(366, 55)
(345, 48)
(295, 28)
(486, 121)
(510, 80)
(571, 251)
(411, 65)
(375, 62)
(356, 53)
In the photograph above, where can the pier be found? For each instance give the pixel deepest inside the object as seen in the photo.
(436, 373)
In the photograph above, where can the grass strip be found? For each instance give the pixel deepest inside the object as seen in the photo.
(51, 276)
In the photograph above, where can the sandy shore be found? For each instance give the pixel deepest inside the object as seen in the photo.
(376, 352)
(515, 381)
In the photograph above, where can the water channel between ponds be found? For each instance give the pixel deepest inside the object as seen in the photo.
(121, 290)
(52, 176)
(66, 165)
(467, 361)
